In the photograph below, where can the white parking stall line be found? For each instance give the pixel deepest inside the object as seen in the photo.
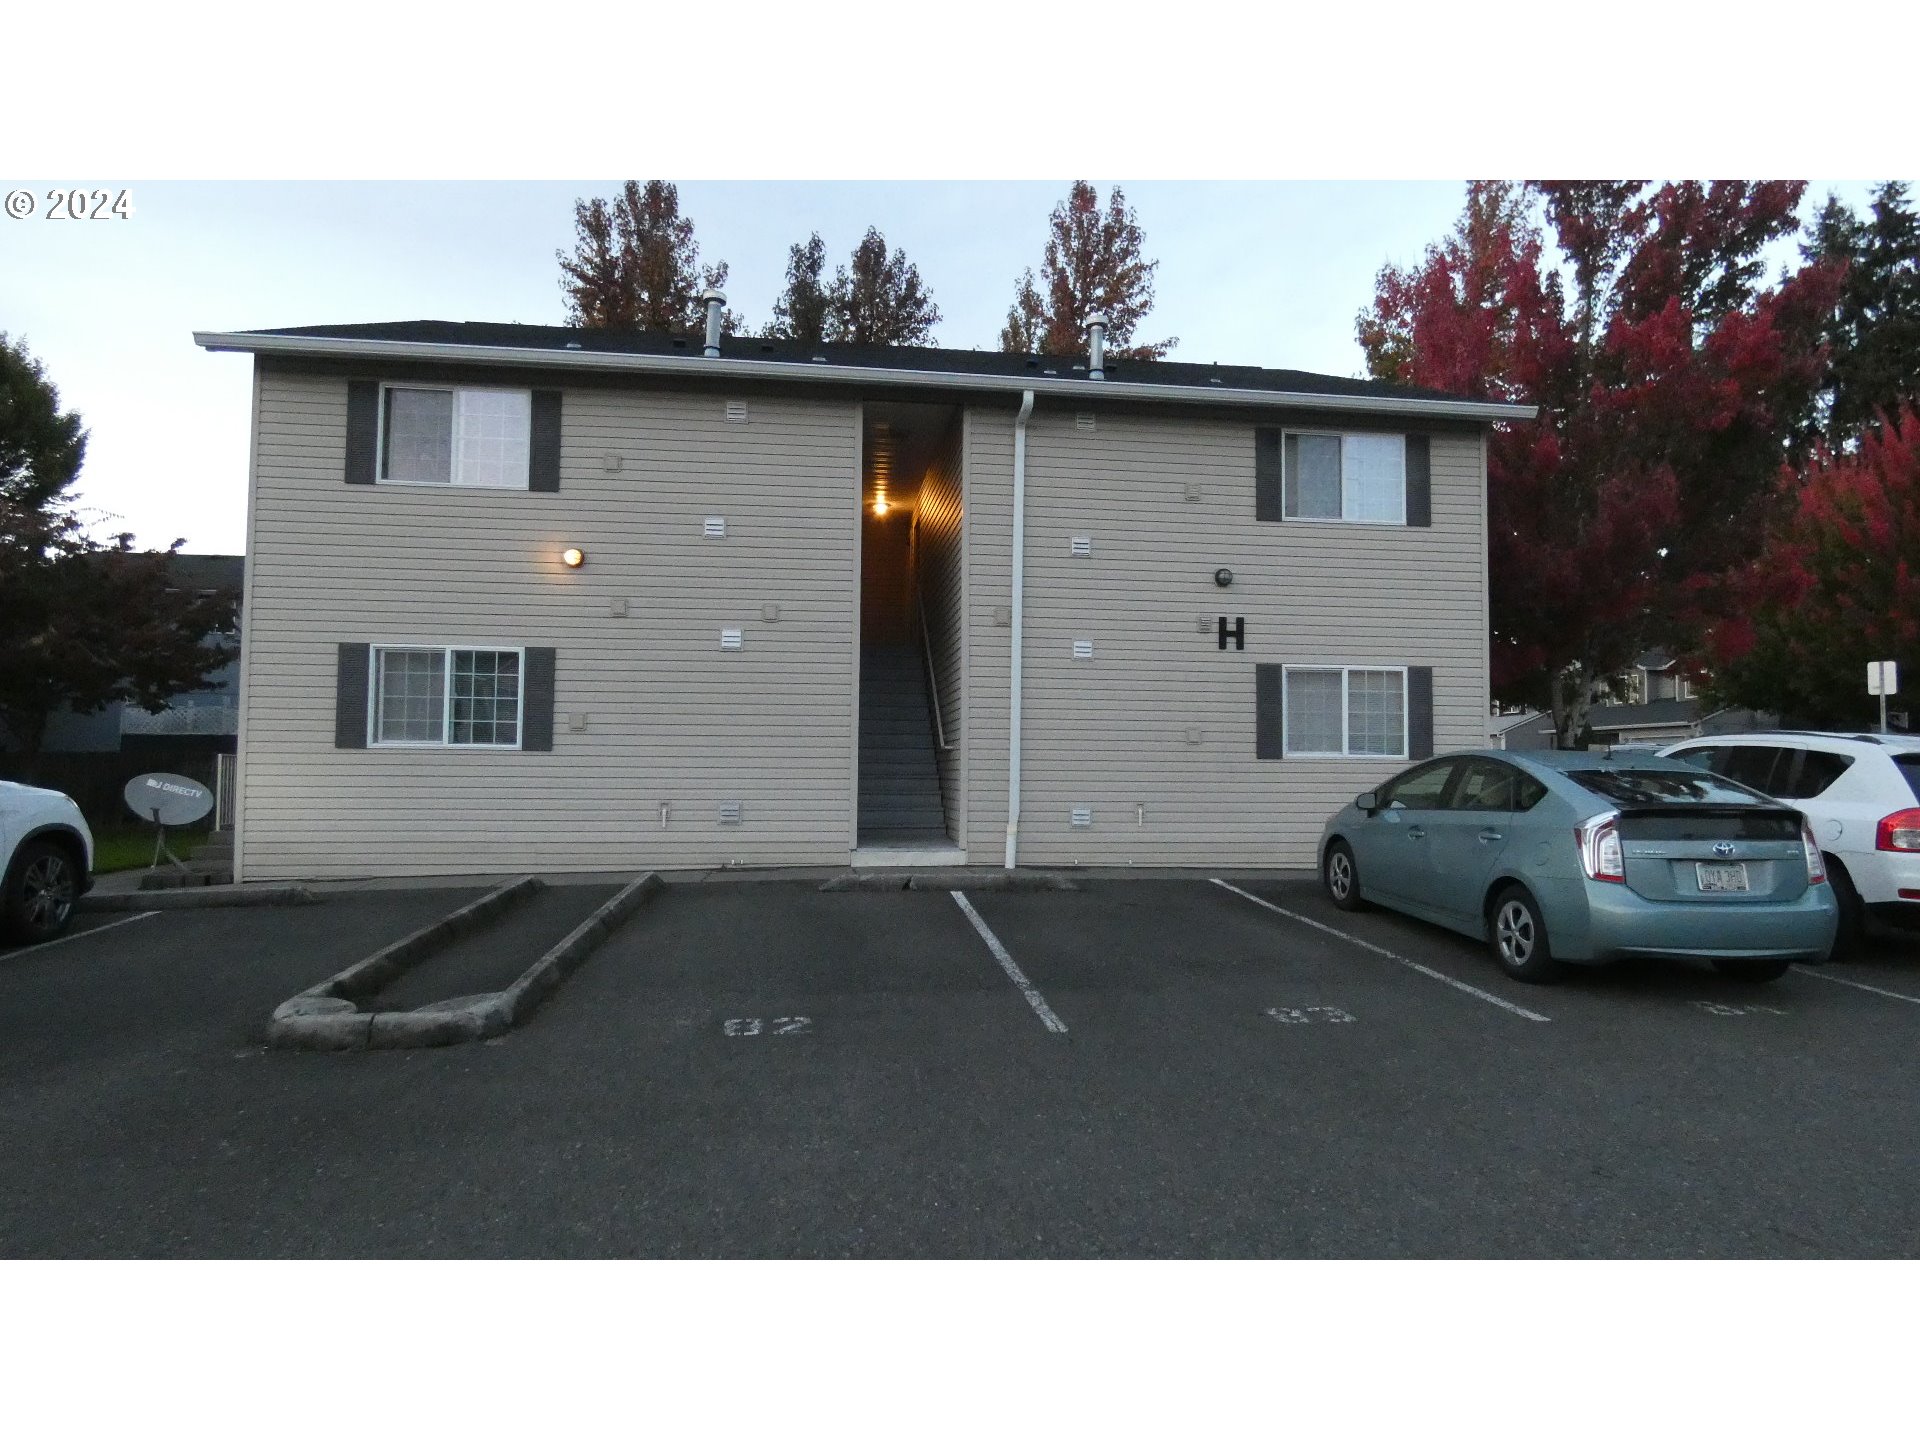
(1034, 998)
(83, 934)
(1871, 989)
(1426, 970)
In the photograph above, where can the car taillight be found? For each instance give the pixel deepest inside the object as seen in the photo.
(1600, 853)
(1816, 867)
(1899, 831)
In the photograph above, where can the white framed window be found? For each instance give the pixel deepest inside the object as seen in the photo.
(445, 696)
(455, 435)
(1360, 479)
(1344, 710)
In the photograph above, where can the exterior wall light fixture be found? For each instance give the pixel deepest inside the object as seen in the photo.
(573, 557)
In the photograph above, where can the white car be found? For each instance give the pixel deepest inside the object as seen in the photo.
(46, 856)
(1862, 795)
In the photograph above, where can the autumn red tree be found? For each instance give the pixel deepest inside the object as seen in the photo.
(635, 264)
(1836, 586)
(1095, 263)
(1668, 381)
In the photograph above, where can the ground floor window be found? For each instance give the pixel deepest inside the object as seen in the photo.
(432, 695)
(1345, 710)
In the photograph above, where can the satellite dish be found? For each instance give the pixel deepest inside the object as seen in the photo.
(168, 799)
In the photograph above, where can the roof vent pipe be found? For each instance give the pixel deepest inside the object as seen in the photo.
(714, 301)
(1096, 346)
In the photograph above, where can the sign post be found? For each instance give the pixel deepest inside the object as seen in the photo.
(1883, 679)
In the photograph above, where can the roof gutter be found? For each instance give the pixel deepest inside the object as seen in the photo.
(745, 369)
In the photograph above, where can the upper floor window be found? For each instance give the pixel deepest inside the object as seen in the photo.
(455, 436)
(1345, 477)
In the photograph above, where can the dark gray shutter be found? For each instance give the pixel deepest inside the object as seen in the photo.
(1269, 733)
(1266, 474)
(1419, 480)
(350, 699)
(543, 460)
(536, 730)
(1419, 712)
(363, 431)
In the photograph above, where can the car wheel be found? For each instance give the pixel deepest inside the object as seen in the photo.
(1518, 935)
(40, 893)
(1341, 875)
(1753, 972)
(1853, 913)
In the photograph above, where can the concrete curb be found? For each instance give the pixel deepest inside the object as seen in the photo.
(952, 880)
(206, 897)
(327, 1017)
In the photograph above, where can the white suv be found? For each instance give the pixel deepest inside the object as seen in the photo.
(46, 857)
(1862, 793)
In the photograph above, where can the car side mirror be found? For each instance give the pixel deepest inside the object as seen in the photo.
(1367, 801)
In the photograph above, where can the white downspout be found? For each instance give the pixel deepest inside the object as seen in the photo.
(1019, 601)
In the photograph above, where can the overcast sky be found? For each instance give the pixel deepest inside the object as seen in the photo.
(1250, 273)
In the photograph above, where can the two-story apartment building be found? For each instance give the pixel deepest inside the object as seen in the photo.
(527, 598)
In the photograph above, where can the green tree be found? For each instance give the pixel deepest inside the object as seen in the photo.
(1094, 264)
(87, 623)
(801, 311)
(1873, 335)
(880, 300)
(636, 266)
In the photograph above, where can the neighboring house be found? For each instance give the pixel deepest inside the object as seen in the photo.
(529, 598)
(204, 718)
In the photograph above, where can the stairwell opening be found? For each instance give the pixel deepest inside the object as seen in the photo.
(911, 615)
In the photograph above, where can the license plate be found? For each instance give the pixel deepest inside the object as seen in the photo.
(1720, 878)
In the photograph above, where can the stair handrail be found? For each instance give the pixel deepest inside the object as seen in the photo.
(933, 677)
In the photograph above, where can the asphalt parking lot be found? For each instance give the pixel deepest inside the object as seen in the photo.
(1152, 1067)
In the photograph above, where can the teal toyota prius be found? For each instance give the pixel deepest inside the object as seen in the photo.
(1558, 857)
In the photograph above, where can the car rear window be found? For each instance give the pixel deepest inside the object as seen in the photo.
(1664, 787)
(1910, 767)
(1818, 770)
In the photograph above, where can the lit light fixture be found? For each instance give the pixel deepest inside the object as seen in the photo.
(573, 557)
(880, 505)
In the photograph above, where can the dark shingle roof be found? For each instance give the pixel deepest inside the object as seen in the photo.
(890, 357)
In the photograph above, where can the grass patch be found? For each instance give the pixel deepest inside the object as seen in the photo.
(133, 849)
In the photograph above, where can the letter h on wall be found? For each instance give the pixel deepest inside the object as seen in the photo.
(1237, 633)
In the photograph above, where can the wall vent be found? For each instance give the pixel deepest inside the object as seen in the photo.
(1084, 420)
(736, 412)
(1082, 545)
(1083, 649)
(731, 640)
(729, 812)
(1193, 490)
(611, 464)
(617, 608)
(714, 527)
(1082, 816)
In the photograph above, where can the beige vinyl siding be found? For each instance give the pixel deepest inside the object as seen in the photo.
(987, 445)
(670, 718)
(942, 580)
(1112, 733)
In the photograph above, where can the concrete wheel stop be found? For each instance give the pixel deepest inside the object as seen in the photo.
(951, 879)
(328, 1016)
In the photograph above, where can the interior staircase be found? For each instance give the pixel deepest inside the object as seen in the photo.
(899, 772)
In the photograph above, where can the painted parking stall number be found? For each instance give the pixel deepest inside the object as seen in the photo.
(1716, 1007)
(1309, 1015)
(748, 1026)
